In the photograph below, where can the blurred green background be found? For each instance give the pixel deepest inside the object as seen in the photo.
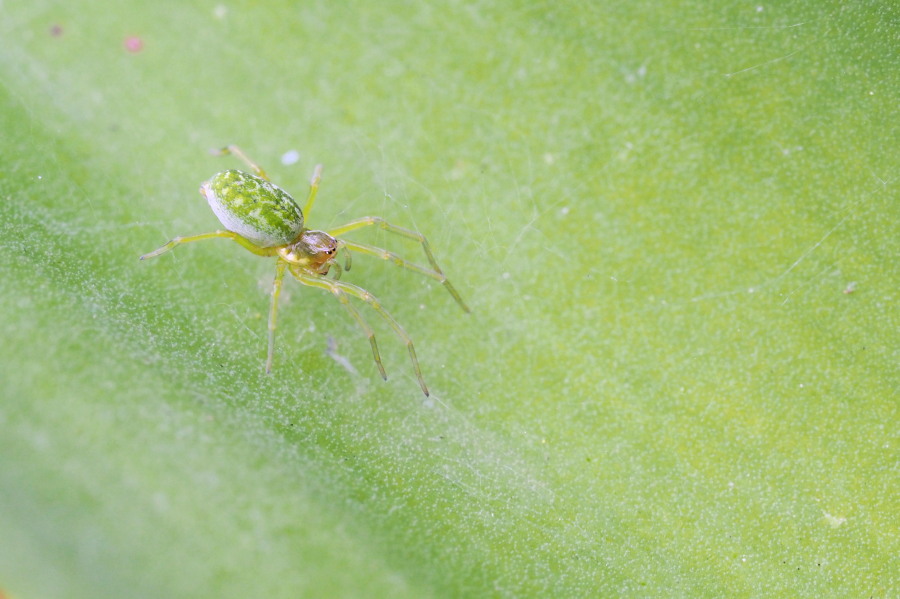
(676, 224)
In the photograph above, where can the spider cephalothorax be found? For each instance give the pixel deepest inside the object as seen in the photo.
(313, 250)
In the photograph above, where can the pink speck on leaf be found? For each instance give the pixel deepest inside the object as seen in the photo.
(56, 30)
(134, 44)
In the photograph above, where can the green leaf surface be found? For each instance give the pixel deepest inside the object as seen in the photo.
(676, 225)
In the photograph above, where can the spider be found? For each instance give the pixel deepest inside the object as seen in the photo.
(265, 220)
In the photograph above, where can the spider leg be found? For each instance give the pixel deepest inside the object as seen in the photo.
(378, 252)
(313, 189)
(236, 151)
(273, 311)
(246, 243)
(341, 290)
(364, 325)
(435, 272)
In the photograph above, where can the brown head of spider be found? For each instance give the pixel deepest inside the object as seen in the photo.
(313, 250)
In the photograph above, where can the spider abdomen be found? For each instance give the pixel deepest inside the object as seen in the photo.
(253, 208)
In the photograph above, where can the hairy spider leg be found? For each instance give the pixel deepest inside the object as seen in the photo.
(341, 290)
(370, 334)
(384, 254)
(435, 272)
(236, 151)
(313, 189)
(273, 311)
(243, 241)
(363, 323)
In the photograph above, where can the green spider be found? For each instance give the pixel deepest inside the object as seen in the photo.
(265, 219)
